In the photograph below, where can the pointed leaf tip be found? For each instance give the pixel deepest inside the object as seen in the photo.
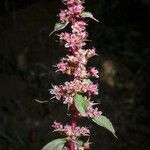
(105, 122)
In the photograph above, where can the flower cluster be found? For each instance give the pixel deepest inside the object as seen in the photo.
(69, 89)
(74, 9)
(69, 132)
(78, 92)
(77, 39)
(75, 64)
(93, 112)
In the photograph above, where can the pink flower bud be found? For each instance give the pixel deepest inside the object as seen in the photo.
(93, 72)
(57, 125)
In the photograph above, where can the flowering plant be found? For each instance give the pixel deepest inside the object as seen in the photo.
(77, 94)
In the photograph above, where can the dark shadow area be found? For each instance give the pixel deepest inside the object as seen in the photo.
(27, 55)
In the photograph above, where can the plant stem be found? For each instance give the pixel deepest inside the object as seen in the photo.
(73, 124)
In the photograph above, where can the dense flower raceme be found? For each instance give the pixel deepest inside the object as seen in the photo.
(75, 64)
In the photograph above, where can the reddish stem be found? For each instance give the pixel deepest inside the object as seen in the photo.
(73, 124)
(72, 146)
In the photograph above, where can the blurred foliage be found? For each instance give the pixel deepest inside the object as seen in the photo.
(27, 55)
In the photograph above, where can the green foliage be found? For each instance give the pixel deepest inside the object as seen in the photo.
(80, 142)
(59, 26)
(87, 14)
(87, 80)
(104, 122)
(80, 104)
(57, 144)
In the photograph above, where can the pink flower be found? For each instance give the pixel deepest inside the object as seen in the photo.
(93, 112)
(75, 65)
(78, 27)
(68, 130)
(57, 125)
(64, 36)
(81, 131)
(75, 41)
(80, 72)
(92, 89)
(68, 100)
(76, 9)
(61, 66)
(90, 53)
(81, 56)
(63, 15)
(87, 145)
(57, 91)
(93, 72)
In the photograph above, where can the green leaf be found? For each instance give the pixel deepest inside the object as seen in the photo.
(104, 122)
(80, 143)
(87, 14)
(81, 104)
(87, 80)
(59, 26)
(59, 147)
(57, 144)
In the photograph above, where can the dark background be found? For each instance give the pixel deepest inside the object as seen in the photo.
(27, 54)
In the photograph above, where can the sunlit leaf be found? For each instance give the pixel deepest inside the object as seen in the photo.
(57, 144)
(87, 80)
(104, 122)
(87, 14)
(81, 104)
(80, 142)
(59, 26)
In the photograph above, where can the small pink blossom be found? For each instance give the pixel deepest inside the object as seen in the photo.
(57, 91)
(67, 130)
(93, 72)
(76, 9)
(81, 131)
(68, 100)
(78, 27)
(57, 125)
(63, 15)
(90, 53)
(61, 66)
(73, 41)
(93, 112)
(64, 36)
(80, 72)
(92, 89)
(86, 145)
